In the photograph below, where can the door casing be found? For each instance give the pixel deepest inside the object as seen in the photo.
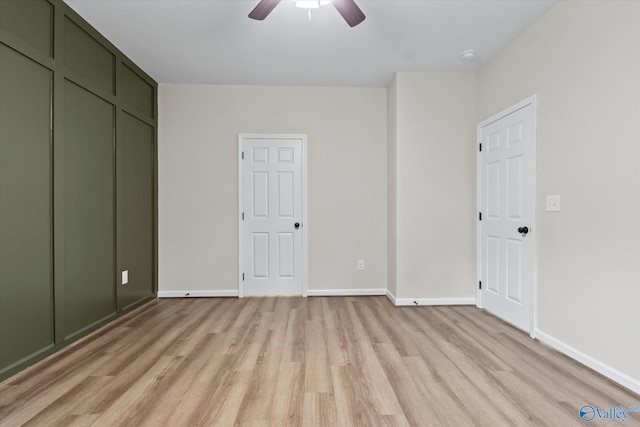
(532, 100)
(305, 222)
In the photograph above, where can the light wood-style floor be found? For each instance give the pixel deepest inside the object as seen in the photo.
(321, 361)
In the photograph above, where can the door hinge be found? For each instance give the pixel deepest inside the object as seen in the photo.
(480, 285)
(243, 216)
(479, 216)
(243, 155)
(480, 146)
(243, 277)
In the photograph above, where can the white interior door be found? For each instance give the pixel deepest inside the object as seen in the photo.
(507, 209)
(272, 215)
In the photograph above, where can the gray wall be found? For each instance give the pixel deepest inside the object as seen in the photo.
(198, 170)
(582, 59)
(77, 181)
(433, 189)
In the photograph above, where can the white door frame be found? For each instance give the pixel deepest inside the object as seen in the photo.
(305, 222)
(532, 100)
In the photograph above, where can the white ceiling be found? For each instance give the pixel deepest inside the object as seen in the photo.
(213, 41)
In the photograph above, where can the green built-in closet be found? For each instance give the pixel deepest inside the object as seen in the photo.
(77, 181)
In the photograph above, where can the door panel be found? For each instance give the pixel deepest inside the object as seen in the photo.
(260, 256)
(493, 190)
(492, 267)
(514, 270)
(285, 195)
(507, 168)
(272, 205)
(286, 255)
(515, 188)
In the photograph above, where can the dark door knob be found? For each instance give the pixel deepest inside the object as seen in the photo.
(523, 230)
(296, 225)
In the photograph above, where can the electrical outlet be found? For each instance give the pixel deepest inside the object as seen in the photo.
(553, 203)
(360, 264)
(125, 277)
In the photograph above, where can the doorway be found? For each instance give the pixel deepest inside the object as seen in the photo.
(506, 219)
(272, 224)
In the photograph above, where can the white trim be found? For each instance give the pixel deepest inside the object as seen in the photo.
(534, 284)
(391, 296)
(621, 378)
(434, 301)
(196, 294)
(531, 100)
(305, 220)
(429, 301)
(345, 292)
(240, 209)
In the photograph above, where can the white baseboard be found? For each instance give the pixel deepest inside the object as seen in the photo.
(345, 292)
(235, 293)
(621, 378)
(435, 301)
(197, 294)
(391, 296)
(429, 301)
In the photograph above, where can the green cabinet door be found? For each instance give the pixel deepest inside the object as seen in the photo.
(135, 209)
(89, 208)
(26, 292)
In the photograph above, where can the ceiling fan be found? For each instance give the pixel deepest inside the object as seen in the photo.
(347, 8)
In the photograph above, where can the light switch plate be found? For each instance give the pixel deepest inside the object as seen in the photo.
(553, 203)
(125, 277)
(360, 265)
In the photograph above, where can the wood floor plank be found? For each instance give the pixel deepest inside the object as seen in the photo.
(319, 409)
(289, 395)
(382, 394)
(37, 398)
(322, 361)
(317, 374)
(547, 412)
(78, 420)
(81, 399)
(125, 408)
(448, 409)
(416, 406)
(353, 406)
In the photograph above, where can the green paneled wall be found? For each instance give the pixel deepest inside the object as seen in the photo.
(89, 130)
(77, 181)
(87, 57)
(137, 92)
(26, 287)
(135, 207)
(31, 21)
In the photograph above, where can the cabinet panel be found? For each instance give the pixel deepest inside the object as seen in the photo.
(30, 20)
(89, 208)
(26, 294)
(137, 92)
(87, 57)
(135, 188)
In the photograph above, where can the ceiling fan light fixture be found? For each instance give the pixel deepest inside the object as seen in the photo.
(348, 9)
(312, 4)
(468, 55)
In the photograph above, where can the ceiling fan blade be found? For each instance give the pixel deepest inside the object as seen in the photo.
(349, 11)
(263, 9)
